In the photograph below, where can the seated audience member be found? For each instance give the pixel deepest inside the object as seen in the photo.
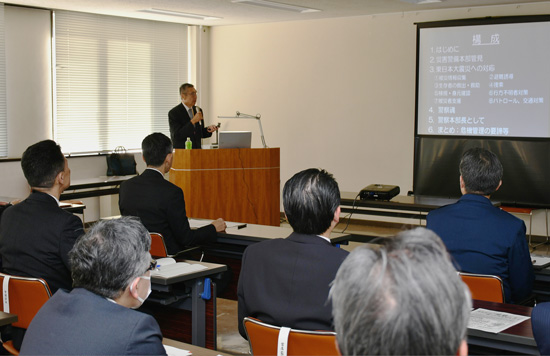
(482, 238)
(111, 268)
(36, 235)
(160, 204)
(540, 322)
(402, 298)
(285, 282)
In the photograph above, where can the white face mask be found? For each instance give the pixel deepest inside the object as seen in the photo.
(141, 300)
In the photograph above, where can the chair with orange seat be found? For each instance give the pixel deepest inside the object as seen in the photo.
(22, 296)
(484, 287)
(266, 339)
(158, 247)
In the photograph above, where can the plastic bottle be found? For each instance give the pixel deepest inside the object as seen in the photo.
(188, 144)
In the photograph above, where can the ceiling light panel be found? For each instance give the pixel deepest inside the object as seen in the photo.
(180, 14)
(276, 5)
(422, 2)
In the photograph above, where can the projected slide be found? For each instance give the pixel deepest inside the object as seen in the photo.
(484, 81)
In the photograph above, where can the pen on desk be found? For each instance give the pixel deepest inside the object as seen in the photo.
(241, 226)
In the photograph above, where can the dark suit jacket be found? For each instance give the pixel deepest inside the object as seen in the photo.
(36, 236)
(285, 282)
(83, 323)
(161, 207)
(540, 322)
(181, 127)
(487, 240)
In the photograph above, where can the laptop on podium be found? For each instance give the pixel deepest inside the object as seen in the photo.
(235, 139)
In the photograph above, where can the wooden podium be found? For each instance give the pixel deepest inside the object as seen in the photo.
(240, 185)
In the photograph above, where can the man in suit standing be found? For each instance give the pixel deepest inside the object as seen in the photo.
(186, 120)
(111, 268)
(285, 282)
(482, 238)
(36, 235)
(160, 204)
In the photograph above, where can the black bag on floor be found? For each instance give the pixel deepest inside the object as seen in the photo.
(120, 163)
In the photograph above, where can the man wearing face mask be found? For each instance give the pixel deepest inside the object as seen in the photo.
(111, 268)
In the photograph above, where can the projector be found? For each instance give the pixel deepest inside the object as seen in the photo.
(379, 192)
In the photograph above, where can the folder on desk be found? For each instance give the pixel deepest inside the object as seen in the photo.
(168, 267)
(540, 262)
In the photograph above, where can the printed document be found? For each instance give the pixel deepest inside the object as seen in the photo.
(493, 321)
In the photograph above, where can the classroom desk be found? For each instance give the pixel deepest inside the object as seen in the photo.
(7, 318)
(94, 187)
(256, 233)
(195, 350)
(183, 293)
(519, 338)
(401, 206)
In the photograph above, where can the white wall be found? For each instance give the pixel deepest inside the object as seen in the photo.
(337, 94)
(28, 81)
(28, 77)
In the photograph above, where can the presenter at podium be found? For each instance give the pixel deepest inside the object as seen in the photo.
(186, 120)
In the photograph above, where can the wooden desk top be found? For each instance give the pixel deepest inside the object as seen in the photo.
(7, 318)
(195, 350)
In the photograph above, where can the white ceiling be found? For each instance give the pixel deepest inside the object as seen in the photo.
(235, 13)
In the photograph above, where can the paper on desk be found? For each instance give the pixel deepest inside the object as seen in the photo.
(198, 223)
(540, 261)
(492, 321)
(233, 224)
(174, 351)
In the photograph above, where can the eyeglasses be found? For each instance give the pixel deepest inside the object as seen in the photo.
(152, 265)
(192, 93)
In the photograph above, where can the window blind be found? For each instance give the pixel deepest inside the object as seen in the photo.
(3, 111)
(115, 79)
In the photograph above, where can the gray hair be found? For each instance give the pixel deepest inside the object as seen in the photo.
(403, 298)
(184, 87)
(110, 255)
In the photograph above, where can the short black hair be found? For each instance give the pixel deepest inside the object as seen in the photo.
(155, 148)
(481, 171)
(184, 87)
(41, 163)
(310, 199)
